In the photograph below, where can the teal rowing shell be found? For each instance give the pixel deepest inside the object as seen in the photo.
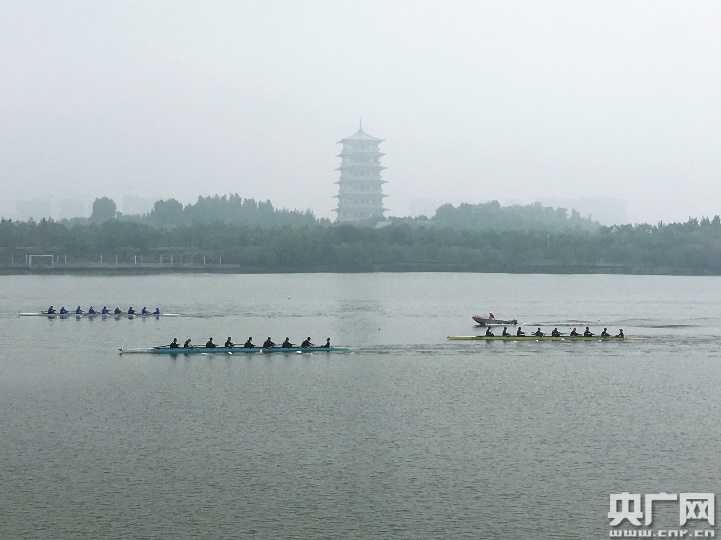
(231, 350)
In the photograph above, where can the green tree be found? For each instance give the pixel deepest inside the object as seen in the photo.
(103, 209)
(167, 213)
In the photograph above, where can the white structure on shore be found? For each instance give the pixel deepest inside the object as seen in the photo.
(360, 194)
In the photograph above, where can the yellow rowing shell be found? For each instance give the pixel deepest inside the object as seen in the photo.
(546, 338)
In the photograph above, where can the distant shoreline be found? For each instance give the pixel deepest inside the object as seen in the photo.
(122, 269)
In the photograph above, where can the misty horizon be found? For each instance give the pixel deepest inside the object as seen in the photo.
(516, 102)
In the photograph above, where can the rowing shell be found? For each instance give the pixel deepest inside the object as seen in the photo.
(93, 315)
(546, 338)
(229, 350)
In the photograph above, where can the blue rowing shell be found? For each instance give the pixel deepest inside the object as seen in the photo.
(231, 350)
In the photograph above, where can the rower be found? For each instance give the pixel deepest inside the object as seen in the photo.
(174, 344)
(620, 334)
(228, 343)
(506, 333)
(249, 344)
(306, 343)
(327, 344)
(91, 310)
(538, 333)
(605, 333)
(131, 311)
(489, 333)
(156, 312)
(555, 332)
(268, 343)
(588, 333)
(520, 332)
(117, 310)
(210, 344)
(104, 311)
(187, 344)
(63, 311)
(51, 310)
(287, 344)
(574, 333)
(78, 311)
(144, 311)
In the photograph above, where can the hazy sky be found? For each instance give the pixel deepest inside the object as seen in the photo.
(477, 100)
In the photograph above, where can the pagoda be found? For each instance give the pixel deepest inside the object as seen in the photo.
(360, 194)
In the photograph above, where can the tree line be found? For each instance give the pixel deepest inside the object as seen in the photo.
(693, 247)
(226, 208)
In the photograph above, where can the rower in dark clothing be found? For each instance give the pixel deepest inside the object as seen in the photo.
(187, 344)
(268, 343)
(287, 344)
(249, 344)
(506, 333)
(104, 311)
(555, 332)
(156, 312)
(51, 310)
(327, 344)
(588, 333)
(174, 344)
(131, 311)
(228, 343)
(520, 332)
(144, 311)
(91, 310)
(538, 333)
(605, 333)
(306, 343)
(489, 333)
(620, 334)
(117, 310)
(78, 311)
(574, 333)
(63, 311)
(210, 344)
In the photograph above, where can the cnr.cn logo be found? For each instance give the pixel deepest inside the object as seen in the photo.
(692, 506)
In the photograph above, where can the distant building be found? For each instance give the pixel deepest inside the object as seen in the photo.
(36, 209)
(360, 194)
(137, 205)
(606, 210)
(71, 208)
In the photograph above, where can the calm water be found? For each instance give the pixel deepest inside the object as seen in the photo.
(408, 436)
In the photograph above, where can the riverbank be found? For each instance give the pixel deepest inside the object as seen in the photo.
(321, 267)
